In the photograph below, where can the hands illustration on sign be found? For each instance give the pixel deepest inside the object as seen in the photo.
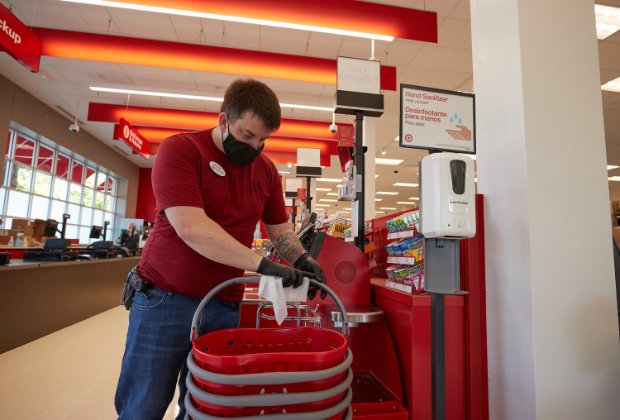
(463, 133)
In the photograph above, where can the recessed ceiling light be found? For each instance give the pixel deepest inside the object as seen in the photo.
(405, 202)
(328, 200)
(396, 138)
(336, 180)
(405, 184)
(607, 20)
(614, 178)
(379, 212)
(612, 85)
(323, 205)
(387, 208)
(283, 172)
(413, 198)
(376, 176)
(332, 194)
(323, 189)
(240, 19)
(378, 199)
(610, 167)
(391, 162)
(387, 193)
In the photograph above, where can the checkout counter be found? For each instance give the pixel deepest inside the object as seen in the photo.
(42, 297)
(390, 334)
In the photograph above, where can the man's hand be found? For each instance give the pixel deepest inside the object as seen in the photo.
(290, 276)
(307, 263)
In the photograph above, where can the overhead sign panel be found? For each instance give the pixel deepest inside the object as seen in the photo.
(123, 131)
(19, 41)
(357, 75)
(436, 119)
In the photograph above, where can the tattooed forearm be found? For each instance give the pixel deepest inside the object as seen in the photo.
(289, 247)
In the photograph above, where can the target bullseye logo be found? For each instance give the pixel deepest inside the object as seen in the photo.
(126, 131)
(408, 138)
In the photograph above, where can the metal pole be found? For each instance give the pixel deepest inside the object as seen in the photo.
(438, 356)
(359, 166)
(308, 197)
(65, 217)
(294, 213)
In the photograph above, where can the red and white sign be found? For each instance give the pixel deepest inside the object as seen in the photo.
(437, 119)
(345, 136)
(124, 131)
(19, 41)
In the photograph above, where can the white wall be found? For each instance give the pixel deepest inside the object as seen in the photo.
(553, 341)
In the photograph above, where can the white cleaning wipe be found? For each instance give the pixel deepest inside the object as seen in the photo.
(271, 288)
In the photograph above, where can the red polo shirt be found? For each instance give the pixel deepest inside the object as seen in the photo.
(190, 170)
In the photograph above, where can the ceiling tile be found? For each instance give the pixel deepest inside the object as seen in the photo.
(213, 82)
(134, 24)
(284, 41)
(401, 52)
(409, 4)
(239, 35)
(324, 45)
(442, 7)
(96, 19)
(433, 78)
(461, 11)
(609, 56)
(435, 57)
(455, 33)
(196, 31)
(607, 75)
(356, 48)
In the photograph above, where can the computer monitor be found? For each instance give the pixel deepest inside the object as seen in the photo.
(51, 227)
(95, 232)
(307, 224)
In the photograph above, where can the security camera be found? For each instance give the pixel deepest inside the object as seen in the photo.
(333, 128)
(74, 128)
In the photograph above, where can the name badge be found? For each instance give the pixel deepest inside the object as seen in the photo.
(217, 168)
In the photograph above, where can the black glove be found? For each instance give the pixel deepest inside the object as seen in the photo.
(290, 276)
(307, 263)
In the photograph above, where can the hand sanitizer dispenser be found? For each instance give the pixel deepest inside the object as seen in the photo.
(447, 205)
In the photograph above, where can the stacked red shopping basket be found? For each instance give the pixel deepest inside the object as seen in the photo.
(288, 373)
(271, 365)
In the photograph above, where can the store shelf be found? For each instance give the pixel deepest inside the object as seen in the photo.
(402, 234)
(402, 260)
(398, 286)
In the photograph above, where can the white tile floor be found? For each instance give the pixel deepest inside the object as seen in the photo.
(70, 374)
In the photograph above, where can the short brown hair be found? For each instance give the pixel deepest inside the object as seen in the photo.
(251, 95)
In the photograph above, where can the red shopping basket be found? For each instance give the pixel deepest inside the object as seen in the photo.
(267, 352)
(250, 350)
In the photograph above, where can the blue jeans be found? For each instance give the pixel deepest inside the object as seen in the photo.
(158, 341)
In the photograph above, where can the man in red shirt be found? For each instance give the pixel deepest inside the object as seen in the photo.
(211, 189)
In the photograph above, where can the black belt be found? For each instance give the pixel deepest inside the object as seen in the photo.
(140, 285)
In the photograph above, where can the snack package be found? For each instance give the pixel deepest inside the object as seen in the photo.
(416, 277)
(413, 247)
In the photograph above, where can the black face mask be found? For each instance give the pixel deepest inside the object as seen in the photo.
(239, 152)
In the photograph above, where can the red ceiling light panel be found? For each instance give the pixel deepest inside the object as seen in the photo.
(180, 120)
(145, 52)
(397, 22)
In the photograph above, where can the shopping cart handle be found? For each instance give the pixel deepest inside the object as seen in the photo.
(256, 280)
